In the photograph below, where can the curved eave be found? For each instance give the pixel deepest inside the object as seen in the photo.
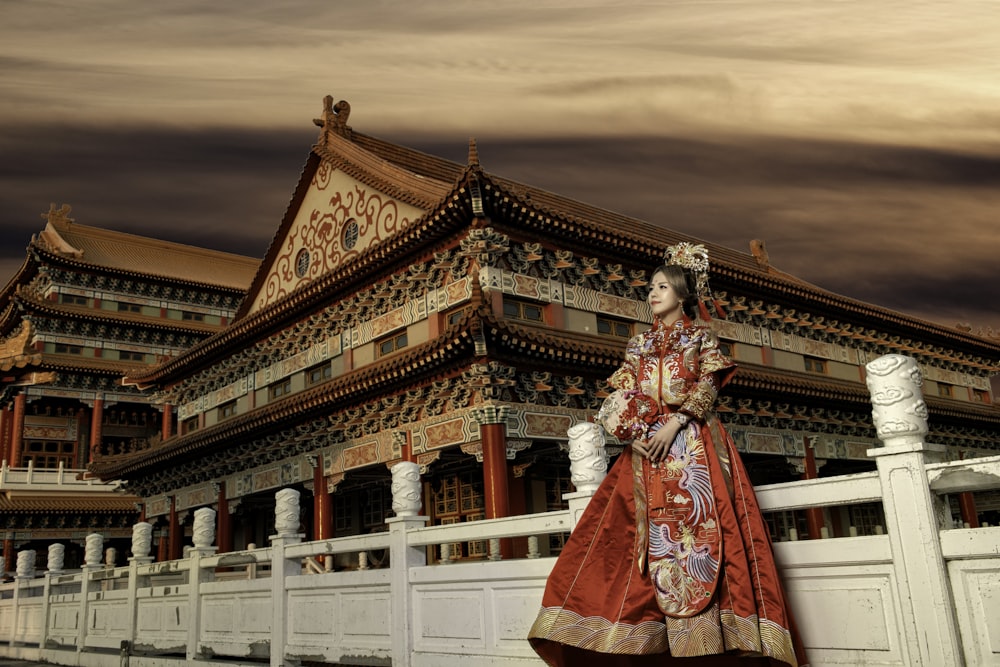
(62, 311)
(553, 347)
(92, 365)
(80, 265)
(342, 392)
(21, 362)
(111, 503)
(579, 224)
(385, 176)
(22, 276)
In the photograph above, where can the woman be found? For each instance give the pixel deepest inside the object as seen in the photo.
(671, 558)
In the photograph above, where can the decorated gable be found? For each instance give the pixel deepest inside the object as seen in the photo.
(339, 218)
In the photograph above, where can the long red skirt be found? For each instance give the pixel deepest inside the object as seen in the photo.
(599, 608)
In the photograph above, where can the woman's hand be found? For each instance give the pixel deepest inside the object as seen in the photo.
(658, 445)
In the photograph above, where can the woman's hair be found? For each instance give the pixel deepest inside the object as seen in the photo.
(682, 282)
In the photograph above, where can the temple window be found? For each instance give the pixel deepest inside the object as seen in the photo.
(349, 236)
(728, 349)
(814, 365)
(189, 425)
(318, 374)
(944, 390)
(607, 326)
(227, 410)
(455, 316)
(49, 453)
(128, 355)
(279, 389)
(373, 509)
(188, 316)
(74, 300)
(62, 348)
(981, 396)
(302, 263)
(391, 344)
(125, 307)
(523, 310)
(343, 523)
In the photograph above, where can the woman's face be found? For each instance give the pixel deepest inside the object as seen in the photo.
(663, 299)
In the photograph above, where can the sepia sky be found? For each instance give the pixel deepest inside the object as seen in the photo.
(860, 140)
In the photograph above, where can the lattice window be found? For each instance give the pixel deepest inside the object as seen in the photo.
(523, 310)
(607, 326)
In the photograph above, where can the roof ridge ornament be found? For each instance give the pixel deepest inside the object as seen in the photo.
(473, 153)
(58, 215)
(334, 118)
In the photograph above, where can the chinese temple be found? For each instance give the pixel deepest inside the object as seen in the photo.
(87, 307)
(413, 308)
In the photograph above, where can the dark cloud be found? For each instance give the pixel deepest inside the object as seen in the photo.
(220, 189)
(909, 229)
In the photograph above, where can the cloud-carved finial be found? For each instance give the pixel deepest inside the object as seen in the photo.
(473, 153)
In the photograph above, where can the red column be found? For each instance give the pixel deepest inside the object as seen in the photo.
(518, 507)
(224, 529)
(168, 416)
(162, 548)
(493, 434)
(494, 438)
(814, 515)
(96, 424)
(6, 430)
(322, 503)
(17, 431)
(8, 555)
(81, 454)
(967, 505)
(175, 547)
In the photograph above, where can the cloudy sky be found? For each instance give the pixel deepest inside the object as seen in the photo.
(860, 140)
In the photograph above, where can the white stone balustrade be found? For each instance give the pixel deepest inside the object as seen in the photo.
(919, 594)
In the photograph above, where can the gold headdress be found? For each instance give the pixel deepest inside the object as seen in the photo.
(694, 258)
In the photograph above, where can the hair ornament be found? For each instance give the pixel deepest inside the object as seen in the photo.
(693, 257)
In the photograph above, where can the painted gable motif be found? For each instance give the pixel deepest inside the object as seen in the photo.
(339, 219)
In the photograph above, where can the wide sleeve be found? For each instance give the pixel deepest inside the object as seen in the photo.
(627, 412)
(715, 370)
(626, 377)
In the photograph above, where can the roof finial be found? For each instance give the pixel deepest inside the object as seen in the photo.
(58, 215)
(759, 252)
(473, 153)
(334, 116)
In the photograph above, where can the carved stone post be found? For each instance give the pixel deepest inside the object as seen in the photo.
(142, 540)
(900, 416)
(93, 550)
(286, 523)
(203, 532)
(26, 564)
(588, 460)
(406, 488)
(286, 512)
(588, 465)
(57, 558)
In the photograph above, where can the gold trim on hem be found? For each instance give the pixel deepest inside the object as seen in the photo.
(596, 633)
